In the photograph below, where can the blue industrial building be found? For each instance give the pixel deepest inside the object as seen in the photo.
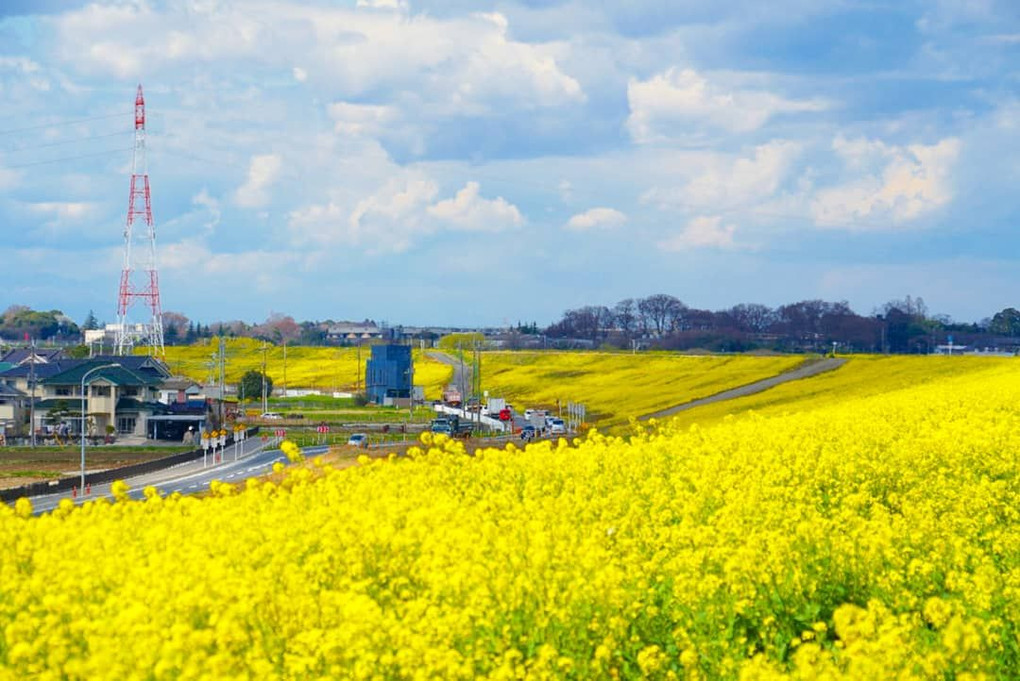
(388, 373)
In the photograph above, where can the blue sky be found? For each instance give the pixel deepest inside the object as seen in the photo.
(490, 162)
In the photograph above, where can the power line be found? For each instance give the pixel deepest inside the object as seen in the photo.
(63, 142)
(63, 123)
(68, 158)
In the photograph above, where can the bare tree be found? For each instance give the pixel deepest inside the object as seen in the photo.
(657, 311)
(752, 317)
(625, 316)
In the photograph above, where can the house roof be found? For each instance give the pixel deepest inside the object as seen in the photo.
(139, 364)
(24, 355)
(117, 374)
(10, 391)
(42, 371)
(179, 383)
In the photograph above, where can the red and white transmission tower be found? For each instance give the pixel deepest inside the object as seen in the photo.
(139, 280)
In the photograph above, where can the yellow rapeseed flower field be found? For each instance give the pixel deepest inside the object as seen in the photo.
(617, 386)
(869, 538)
(861, 376)
(324, 368)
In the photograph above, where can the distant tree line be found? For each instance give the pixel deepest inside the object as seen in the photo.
(664, 321)
(659, 321)
(19, 322)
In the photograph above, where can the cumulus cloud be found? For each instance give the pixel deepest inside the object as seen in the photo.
(701, 232)
(400, 213)
(470, 63)
(596, 217)
(891, 184)
(673, 103)
(728, 182)
(470, 211)
(263, 170)
(389, 219)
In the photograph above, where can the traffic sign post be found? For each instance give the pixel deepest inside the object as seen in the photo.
(323, 430)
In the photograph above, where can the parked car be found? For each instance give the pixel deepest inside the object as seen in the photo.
(358, 440)
(558, 427)
(271, 415)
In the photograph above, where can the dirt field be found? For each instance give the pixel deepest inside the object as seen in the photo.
(24, 465)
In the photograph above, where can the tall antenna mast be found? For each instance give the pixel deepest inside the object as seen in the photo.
(139, 263)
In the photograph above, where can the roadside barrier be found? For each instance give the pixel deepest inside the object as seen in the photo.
(36, 489)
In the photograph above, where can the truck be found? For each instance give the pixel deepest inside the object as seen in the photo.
(494, 406)
(452, 425)
(451, 395)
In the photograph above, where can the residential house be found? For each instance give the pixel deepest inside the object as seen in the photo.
(121, 392)
(13, 407)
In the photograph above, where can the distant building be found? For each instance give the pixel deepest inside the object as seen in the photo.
(350, 332)
(389, 373)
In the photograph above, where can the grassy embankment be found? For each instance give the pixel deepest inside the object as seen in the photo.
(618, 386)
(862, 376)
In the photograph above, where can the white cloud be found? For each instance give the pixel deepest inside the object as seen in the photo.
(893, 184)
(64, 211)
(596, 217)
(263, 170)
(728, 182)
(212, 206)
(471, 212)
(456, 65)
(300, 75)
(389, 220)
(682, 102)
(362, 119)
(384, 4)
(701, 232)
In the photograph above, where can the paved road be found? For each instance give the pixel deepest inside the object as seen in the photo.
(461, 372)
(190, 478)
(809, 368)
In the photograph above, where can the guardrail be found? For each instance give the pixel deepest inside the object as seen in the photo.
(472, 417)
(36, 489)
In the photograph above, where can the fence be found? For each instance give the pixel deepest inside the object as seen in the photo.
(99, 477)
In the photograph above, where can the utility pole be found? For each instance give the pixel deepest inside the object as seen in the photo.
(223, 362)
(284, 367)
(31, 385)
(265, 402)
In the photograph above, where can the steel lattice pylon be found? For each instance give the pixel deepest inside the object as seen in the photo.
(139, 280)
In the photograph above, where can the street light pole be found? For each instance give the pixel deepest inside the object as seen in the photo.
(84, 376)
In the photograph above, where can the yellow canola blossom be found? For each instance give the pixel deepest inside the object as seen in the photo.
(618, 386)
(869, 539)
(325, 368)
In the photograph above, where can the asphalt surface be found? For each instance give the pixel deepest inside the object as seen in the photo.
(805, 370)
(190, 478)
